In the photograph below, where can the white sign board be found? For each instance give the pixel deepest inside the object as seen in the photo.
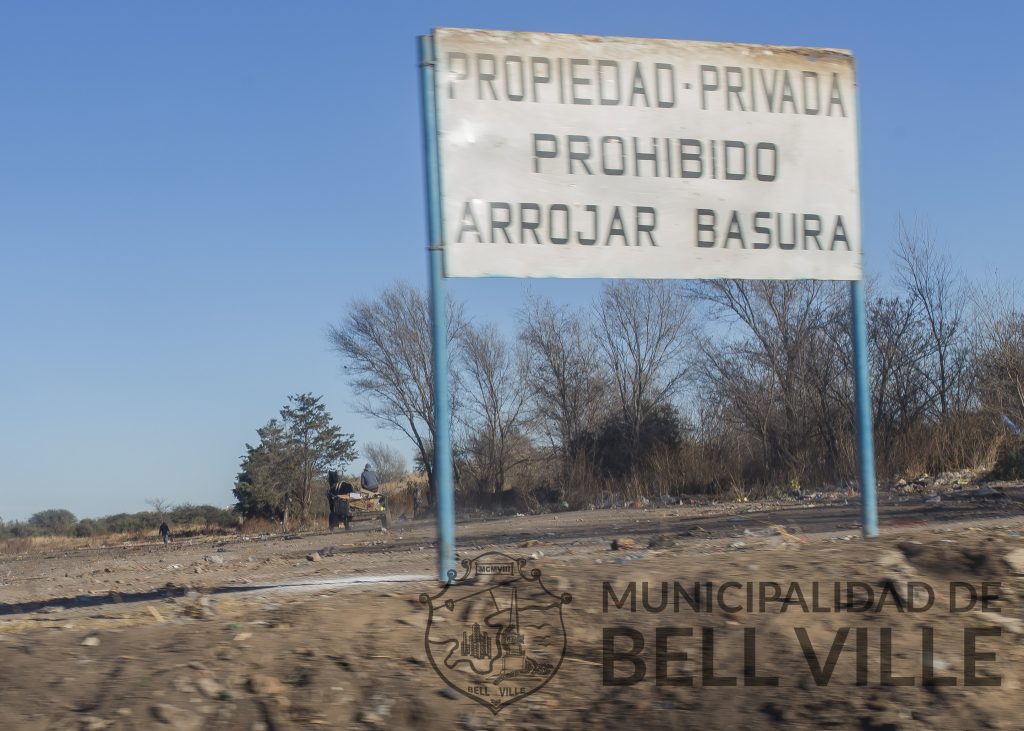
(582, 156)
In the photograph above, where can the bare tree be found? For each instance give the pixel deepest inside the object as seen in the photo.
(998, 344)
(780, 377)
(391, 465)
(495, 397)
(1001, 371)
(160, 505)
(643, 329)
(385, 344)
(901, 397)
(939, 295)
(566, 386)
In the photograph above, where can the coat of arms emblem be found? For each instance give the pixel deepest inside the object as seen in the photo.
(495, 635)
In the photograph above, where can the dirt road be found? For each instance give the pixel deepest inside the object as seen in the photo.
(318, 630)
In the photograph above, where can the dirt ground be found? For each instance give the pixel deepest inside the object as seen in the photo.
(287, 632)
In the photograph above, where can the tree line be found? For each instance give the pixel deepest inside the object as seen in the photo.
(60, 522)
(665, 388)
(655, 388)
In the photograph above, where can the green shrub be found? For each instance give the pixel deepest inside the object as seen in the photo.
(86, 528)
(1009, 462)
(53, 522)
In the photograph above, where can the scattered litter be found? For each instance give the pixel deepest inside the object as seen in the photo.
(787, 536)
(661, 541)
(156, 614)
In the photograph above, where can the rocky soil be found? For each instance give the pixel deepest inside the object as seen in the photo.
(289, 632)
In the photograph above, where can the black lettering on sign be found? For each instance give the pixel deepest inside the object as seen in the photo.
(734, 89)
(705, 227)
(766, 242)
(835, 97)
(529, 225)
(839, 234)
(812, 229)
(787, 231)
(581, 156)
(468, 223)
(769, 91)
(734, 170)
(486, 77)
(544, 146)
(665, 85)
(791, 244)
(639, 156)
(643, 227)
(563, 237)
(589, 240)
(787, 93)
(608, 71)
(560, 223)
(606, 156)
(708, 82)
(813, 78)
(537, 76)
(500, 223)
(458, 70)
(515, 72)
(762, 168)
(579, 81)
(734, 232)
(639, 87)
(686, 158)
(616, 228)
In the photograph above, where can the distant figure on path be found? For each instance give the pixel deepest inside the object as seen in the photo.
(165, 533)
(332, 489)
(369, 479)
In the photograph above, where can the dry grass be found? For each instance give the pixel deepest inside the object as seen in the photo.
(259, 525)
(44, 544)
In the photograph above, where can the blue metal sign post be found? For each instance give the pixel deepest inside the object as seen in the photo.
(862, 394)
(443, 488)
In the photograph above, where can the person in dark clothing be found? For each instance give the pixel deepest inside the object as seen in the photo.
(332, 489)
(165, 533)
(338, 512)
(369, 479)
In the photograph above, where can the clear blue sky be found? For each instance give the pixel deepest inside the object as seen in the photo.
(191, 191)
